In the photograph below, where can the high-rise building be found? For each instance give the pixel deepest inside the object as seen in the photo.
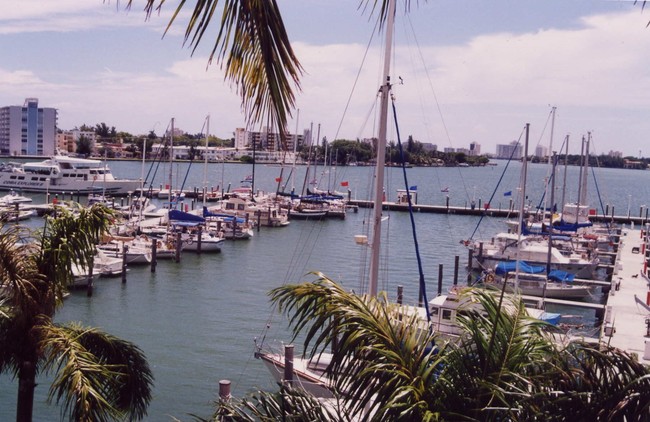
(474, 149)
(512, 150)
(28, 130)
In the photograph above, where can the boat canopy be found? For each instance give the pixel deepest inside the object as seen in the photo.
(225, 217)
(562, 276)
(505, 267)
(179, 217)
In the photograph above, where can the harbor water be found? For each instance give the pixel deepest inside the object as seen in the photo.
(198, 321)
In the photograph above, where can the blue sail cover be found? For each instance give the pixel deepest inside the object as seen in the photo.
(559, 275)
(505, 267)
(185, 218)
(225, 217)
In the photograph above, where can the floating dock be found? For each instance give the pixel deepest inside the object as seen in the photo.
(626, 324)
(505, 212)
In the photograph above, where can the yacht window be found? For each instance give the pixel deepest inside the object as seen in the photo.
(446, 314)
(240, 207)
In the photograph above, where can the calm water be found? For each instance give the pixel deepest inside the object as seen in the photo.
(197, 321)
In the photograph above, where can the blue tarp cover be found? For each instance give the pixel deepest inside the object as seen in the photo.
(559, 275)
(177, 215)
(509, 266)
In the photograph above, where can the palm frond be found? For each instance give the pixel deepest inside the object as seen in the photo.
(253, 47)
(382, 348)
(288, 404)
(98, 377)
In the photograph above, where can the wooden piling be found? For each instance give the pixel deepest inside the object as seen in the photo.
(224, 391)
(125, 249)
(288, 363)
(469, 265)
(154, 254)
(179, 246)
(89, 286)
(199, 238)
(456, 264)
(439, 279)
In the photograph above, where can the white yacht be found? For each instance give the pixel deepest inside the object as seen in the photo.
(62, 173)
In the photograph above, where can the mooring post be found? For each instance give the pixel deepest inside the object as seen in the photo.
(179, 246)
(224, 391)
(125, 249)
(199, 238)
(154, 254)
(456, 263)
(288, 363)
(400, 294)
(439, 279)
(469, 265)
(89, 286)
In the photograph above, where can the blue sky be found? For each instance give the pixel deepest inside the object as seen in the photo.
(473, 71)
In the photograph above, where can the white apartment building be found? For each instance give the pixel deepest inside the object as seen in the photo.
(513, 149)
(28, 129)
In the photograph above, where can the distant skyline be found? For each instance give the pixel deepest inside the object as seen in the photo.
(473, 72)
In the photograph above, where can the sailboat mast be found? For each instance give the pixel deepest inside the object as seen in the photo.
(522, 205)
(171, 163)
(381, 155)
(566, 159)
(205, 156)
(585, 175)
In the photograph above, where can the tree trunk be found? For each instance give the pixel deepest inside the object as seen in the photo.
(26, 386)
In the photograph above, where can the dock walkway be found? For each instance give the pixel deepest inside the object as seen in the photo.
(626, 323)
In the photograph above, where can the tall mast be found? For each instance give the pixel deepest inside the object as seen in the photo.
(171, 158)
(381, 154)
(205, 156)
(522, 205)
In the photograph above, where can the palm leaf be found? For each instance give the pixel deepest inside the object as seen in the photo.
(253, 48)
(98, 377)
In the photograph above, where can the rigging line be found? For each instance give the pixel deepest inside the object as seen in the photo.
(438, 106)
(356, 80)
(546, 185)
(497, 186)
(423, 291)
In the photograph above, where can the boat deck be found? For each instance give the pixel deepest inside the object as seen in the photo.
(627, 315)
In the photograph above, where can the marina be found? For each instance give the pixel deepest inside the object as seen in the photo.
(197, 320)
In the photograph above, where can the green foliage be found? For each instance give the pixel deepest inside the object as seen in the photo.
(84, 146)
(97, 377)
(506, 366)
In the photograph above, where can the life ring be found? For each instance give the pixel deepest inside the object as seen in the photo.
(489, 278)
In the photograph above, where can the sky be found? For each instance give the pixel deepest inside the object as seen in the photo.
(462, 71)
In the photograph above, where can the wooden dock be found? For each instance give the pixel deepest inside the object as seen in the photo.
(493, 212)
(626, 322)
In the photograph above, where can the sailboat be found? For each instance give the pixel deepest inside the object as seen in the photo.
(312, 374)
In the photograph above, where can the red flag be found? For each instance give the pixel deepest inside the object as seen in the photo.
(344, 183)
(278, 179)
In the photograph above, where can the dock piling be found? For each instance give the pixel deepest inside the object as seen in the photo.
(154, 253)
(288, 363)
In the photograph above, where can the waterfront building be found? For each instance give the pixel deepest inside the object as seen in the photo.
(541, 151)
(474, 149)
(28, 129)
(267, 140)
(506, 151)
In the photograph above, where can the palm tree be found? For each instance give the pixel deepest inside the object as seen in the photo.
(506, 366)
(253, 48)
(97, 376)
